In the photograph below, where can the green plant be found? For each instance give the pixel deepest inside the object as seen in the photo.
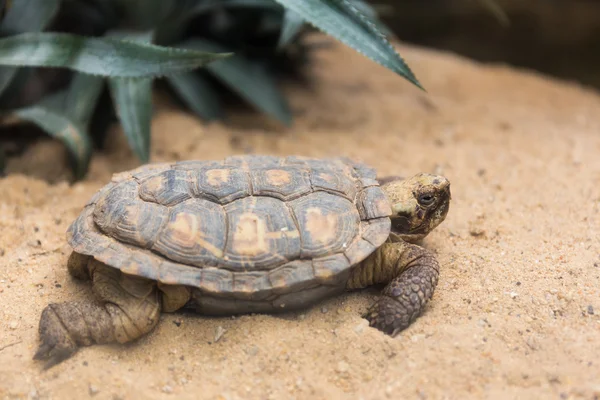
(192, 44)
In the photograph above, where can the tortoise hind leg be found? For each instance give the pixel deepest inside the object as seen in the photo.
(412, 273)
(78, 265)
(127, 308)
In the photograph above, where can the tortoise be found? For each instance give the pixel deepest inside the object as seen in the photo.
(245, 234)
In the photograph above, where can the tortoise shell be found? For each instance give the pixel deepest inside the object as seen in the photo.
(246, 227)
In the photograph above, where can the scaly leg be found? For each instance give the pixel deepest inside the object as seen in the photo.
(127, 308)
(412, 273)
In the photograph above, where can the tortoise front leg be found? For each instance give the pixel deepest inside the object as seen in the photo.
(127, 308)
(412, 273)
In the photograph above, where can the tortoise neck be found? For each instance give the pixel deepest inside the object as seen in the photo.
(379, 267)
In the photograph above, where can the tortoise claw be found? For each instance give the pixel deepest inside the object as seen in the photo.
(53, 354)
(389, 316)
(57, 345)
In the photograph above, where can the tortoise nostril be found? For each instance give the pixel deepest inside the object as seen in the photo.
(401, 224)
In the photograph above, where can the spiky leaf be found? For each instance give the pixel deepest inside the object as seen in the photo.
(65, 115)
(25, 16)
(344, 21)
(251, 81)
(105, 56)
(82, 98)
(65, 128)
(28, 16)
(292, 24)
(369, 11)
(197, 93)
(132, 98)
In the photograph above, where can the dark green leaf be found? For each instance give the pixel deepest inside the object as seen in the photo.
(82, 97)
(132, 98)
(59, 125)
(25, 16)
(249, 80)
(79, 100)
(6, 76)
(29, 16)
(65, 115)
(137, 36)
(292, 24)
(369, 11)
(99, 56)
(197, 93)
(12, 95)
(343, 20)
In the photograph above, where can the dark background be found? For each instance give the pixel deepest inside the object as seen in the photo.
(558, 37)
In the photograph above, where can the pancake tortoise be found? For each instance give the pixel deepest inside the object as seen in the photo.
(247, 234)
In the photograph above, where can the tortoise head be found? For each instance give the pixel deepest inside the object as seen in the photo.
(419, 204)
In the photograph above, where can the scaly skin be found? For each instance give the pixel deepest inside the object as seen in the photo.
(419, 205)
(412, 273)
(127, 308)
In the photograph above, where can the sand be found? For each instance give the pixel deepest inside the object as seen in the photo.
(517, 310)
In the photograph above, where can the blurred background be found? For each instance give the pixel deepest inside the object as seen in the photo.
(557, 37)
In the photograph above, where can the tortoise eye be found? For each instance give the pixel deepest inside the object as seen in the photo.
(426, 199)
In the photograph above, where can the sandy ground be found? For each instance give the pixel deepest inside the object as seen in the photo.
(517, 310)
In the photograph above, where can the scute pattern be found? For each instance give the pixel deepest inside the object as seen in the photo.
(326, 223)
(375, 229)
(168, 188)
(261, 234)
(193, 234)
(251, 286)
(238, 229)
(333, 182)
(221, 184)
(255, 161)
(216, 281)
(293, 276)
(355, 251)
(330, 270)
(372, 203)
(283, 183)
(367, 176)
(121, 214)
